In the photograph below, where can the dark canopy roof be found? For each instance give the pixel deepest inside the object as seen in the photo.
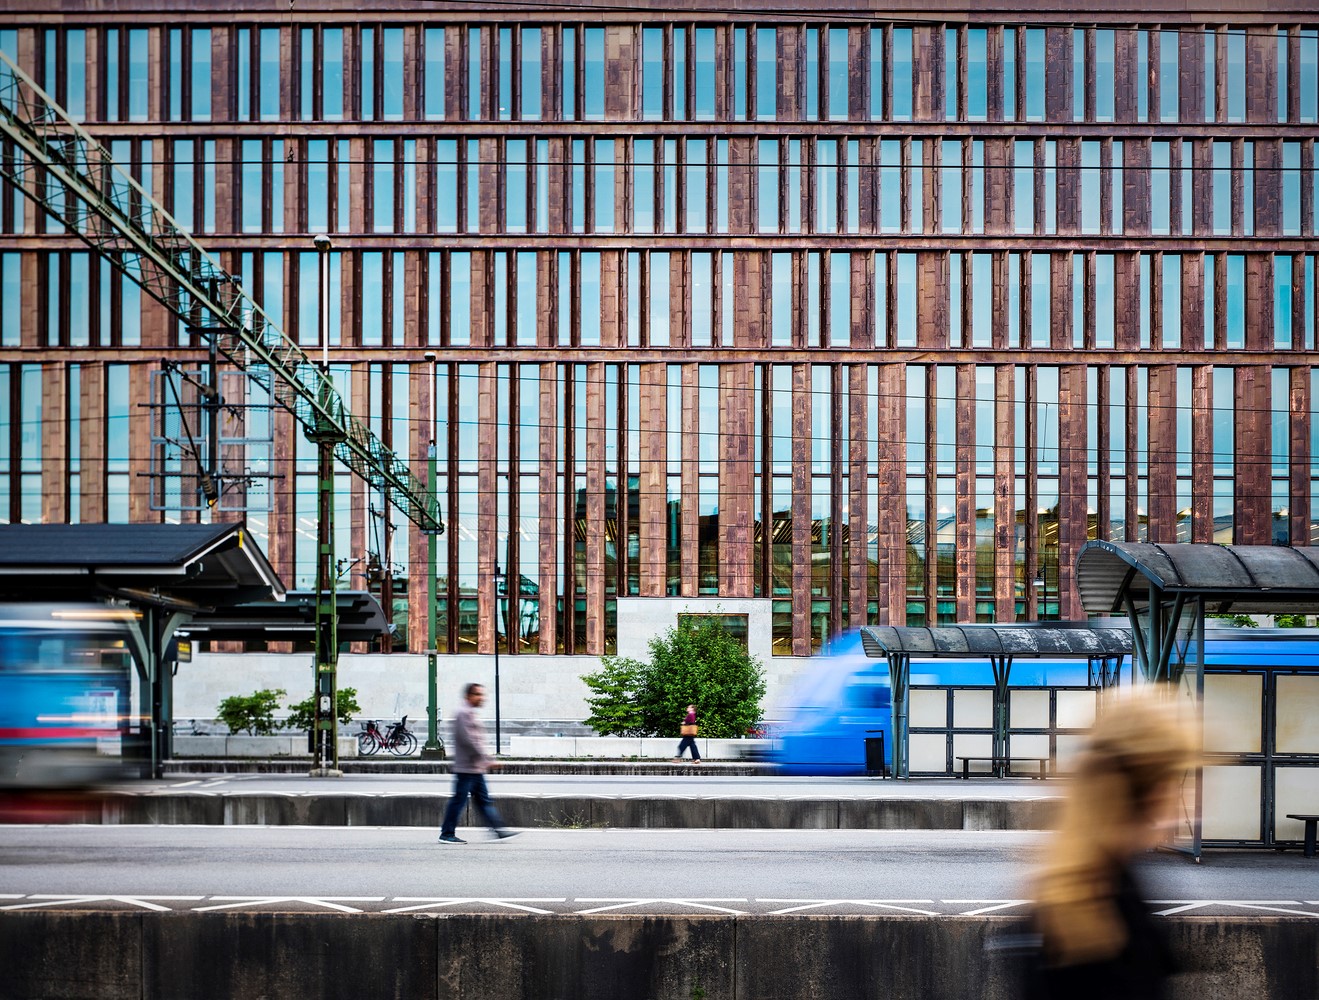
(1244, 579)
(182, 565)
(948, 641)
(361, 619)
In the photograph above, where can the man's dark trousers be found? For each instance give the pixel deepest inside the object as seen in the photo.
(473, 785)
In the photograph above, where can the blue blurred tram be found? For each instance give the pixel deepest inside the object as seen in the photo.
(845, 697)
(65, 685)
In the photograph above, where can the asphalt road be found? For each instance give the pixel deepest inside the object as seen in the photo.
(588, 870)
(697, 783)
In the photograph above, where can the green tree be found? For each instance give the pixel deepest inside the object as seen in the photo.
(695, 662)
(252, 713)
(301, 714)
(1290, 621)
(1236, 621)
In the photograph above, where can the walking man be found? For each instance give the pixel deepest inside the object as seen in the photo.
(471, 760)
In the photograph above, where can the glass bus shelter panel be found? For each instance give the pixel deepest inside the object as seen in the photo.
(1076, 709)
(1233, 713)
(928, 708)
(1231, 802)
(1298, 719)
(1295, 790)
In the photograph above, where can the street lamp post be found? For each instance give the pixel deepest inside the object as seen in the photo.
(433, 747)
(499, 577)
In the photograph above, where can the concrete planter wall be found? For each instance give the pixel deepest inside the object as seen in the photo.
(253, 746)
(623, 746)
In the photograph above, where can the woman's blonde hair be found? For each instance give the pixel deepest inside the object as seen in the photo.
(1139, 750)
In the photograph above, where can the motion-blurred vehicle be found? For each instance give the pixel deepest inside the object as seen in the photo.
(65, 684)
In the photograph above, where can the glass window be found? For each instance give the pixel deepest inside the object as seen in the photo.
(269, 85)
(1307, 74)
(138, 80)
(1208, 265)
(1282, 300)
(977, 74)
(781, 300)
(1168, 70)
(593, 74)
(604, 185)
(950, 74)
(1040, 318)
(1104, 301)
(950, 198)
(382, 193)
(251, 178)
(838, 74)
(840, 299)
(740, 56)
(695, 186)
(679, 73)
(1023, 188)
(332, 74)
(1211, 75)
(11, 299)
(703, 95)
(1090, 176)
(659, 299)
(826, 186)
(767, 74)
(1034, 74)
(391, 74)
(568, 110)
(529, 74)
(1160, 188)
(812, 59)
(982, 300)
(460, 298)
(527, 305)
(434, 73)
(1104, 75)
(652, 74)
(702, 299)
(890, 185)
(767, 185)
(504, 76)
(902, 74)
(474, 81)
(446, 185)
(1291, 189)
(916, 187)
(876, 74)
(643, 185)
(515, 185)
(904, 288)
(1142, 76)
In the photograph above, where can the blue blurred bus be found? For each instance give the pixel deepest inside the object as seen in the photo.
(65, 685)
(845, 697)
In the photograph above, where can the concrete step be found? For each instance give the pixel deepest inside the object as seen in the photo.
(416, 765)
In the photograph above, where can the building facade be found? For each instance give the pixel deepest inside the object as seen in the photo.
(878, 316)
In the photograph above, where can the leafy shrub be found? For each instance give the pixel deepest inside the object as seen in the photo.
(695, 662)
(252, 713)
(302, 714)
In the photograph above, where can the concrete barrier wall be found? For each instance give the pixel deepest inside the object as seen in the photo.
(254, 746)
(657, 748)
(648, 812)
(144, 956)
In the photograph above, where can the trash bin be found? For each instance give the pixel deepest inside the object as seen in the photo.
(875, 755)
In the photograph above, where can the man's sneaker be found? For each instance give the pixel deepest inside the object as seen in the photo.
(451, 839)
(505, 834)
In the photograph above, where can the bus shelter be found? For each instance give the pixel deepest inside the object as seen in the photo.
(164, 574)
(1257, 710)
(1000, 645)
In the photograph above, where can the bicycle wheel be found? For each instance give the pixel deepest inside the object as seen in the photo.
(366, 744)
(404, 743)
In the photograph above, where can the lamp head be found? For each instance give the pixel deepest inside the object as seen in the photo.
(321, 242)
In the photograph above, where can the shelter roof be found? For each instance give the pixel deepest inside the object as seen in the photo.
(1244, 579)
(1063, 641)
(361, 619)
(182, 565)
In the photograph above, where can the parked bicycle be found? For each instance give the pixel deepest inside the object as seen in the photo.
(396, 739)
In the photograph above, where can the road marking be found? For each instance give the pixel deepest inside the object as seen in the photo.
(428, 902)
(1008, 904)
(60, 900)
(885, 904)
(616, 904)
(330, 902)
(1271, 905)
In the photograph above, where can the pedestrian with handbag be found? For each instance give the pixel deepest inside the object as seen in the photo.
(688, 731)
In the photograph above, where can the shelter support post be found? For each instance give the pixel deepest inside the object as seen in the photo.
(1002, 668)
(899, 665)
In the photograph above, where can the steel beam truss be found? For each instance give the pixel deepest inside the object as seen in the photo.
(73, 178)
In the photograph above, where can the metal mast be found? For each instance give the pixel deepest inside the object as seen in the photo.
(73, 178)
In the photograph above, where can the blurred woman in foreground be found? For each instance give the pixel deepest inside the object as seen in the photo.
(1099, 939)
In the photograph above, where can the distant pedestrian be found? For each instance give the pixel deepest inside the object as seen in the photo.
(471, 761)
(688, 731)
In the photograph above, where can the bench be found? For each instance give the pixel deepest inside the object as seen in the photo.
(1001, 766)
(1310, 820)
